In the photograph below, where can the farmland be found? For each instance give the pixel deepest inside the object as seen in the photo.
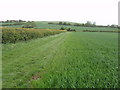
(38, 54)
(45, 25)
(65, 60)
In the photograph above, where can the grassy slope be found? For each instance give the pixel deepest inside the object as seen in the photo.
(72, 59)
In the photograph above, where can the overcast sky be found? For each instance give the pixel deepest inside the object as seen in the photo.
(103, 12)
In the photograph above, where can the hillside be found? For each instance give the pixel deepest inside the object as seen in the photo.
(45, 25)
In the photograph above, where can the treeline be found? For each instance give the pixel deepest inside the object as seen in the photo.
(87, 24)
(118, 31)
(13, 35)
(12, 21)
(25, 24)
(11, 24)
(60, 23)
(68, 29)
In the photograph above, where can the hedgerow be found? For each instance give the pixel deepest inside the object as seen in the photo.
(13, 35)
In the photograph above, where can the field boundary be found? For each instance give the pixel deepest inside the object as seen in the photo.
(98, 31)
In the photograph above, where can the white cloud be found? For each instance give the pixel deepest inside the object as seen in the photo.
(102, 11)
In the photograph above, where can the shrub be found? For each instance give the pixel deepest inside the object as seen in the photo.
(13, 35)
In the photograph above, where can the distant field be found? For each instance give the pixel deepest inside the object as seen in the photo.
(66, 60)
(45, 25)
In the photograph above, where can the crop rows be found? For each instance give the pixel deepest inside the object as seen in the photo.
(67, 60)
(84, 60)
(13, 35)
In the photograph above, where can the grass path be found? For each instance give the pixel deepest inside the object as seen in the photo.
(23, 58)
(72, 59)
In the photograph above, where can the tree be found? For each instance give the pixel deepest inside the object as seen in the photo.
(113, 26)
(60, 23)
(76, 24)
(64, 23)
(94, 23)
(29, 25)
(88, 23)
(62, 28)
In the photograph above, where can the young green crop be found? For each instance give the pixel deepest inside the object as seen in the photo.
(66, 60)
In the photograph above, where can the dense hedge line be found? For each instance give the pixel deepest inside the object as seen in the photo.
(13, 35)
(117, 31)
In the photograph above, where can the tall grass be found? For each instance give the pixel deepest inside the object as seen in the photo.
(13, 35)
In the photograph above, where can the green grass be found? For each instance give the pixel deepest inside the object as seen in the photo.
(67, 60)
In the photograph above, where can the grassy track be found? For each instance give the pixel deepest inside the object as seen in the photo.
(72, 59)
